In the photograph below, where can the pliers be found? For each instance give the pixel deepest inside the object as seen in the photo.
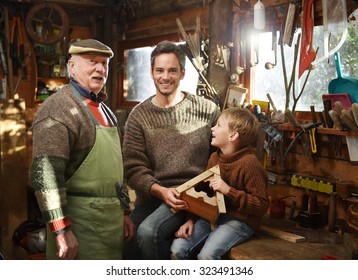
(17, 53)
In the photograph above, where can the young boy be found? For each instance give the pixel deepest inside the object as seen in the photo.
(243, 182)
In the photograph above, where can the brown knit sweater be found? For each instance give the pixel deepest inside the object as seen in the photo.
(248, 197)
(168, 146)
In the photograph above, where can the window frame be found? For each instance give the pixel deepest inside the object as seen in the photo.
(122, 103)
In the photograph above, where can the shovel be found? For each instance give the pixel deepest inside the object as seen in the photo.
(343, 84)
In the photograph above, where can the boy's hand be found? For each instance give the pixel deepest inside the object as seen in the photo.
(185, 230)
(217, 184)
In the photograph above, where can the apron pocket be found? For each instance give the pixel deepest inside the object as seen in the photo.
(107, 221)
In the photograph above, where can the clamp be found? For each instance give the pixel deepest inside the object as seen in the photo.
(308, 127)
(313, 135)
(313, 132)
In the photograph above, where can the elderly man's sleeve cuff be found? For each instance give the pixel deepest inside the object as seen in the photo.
(59, 225)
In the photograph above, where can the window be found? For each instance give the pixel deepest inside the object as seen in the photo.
(134, 81)
(272, 81)
(138, 84)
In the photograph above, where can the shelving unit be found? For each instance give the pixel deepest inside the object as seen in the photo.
(47, 86)
(51, 69)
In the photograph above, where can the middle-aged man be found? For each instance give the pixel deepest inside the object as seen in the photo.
(166, 143)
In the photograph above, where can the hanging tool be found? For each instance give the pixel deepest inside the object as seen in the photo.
(307, 53)
(292, 119)
(313, 133)
(288, 26)
(16, 44)
(23, 74)
(255, 50)
(327, 105)
(3, 61)
(298, 135)
(243, 44)
(313, 141)
(305, 139)
(321, 118)
(304, 128)
(270, 65)
(334, 25)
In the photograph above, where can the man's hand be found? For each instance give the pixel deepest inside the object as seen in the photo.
(129, 228)
(67, 245)
(170, 196)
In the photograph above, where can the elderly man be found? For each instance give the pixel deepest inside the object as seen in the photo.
(77, 166)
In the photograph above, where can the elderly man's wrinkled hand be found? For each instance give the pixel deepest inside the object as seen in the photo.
(129, 228)
(67, 245)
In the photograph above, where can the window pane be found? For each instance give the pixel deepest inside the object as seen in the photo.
(138, 84)
(272, 81)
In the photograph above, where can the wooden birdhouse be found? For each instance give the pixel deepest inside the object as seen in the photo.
(201, 199)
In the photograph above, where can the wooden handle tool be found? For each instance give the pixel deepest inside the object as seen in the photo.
(327, 107)
(348, 121)
(355, 112)
(336, 120)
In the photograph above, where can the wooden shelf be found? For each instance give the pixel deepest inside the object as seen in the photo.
(52, 84)
(50, 80)
(320, 130)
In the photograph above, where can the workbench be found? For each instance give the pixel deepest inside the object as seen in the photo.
(275, 243)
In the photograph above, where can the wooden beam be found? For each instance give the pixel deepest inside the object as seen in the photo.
(294, 238)
(166, 24)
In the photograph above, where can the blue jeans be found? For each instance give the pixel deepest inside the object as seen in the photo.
(156, 233)
(228, 233)
(131, 251)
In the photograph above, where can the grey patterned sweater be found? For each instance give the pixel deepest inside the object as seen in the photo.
(168, 146)
(63, 135)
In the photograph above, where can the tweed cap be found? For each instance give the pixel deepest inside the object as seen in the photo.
(90, 46)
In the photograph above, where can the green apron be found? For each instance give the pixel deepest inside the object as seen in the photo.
(95, 211)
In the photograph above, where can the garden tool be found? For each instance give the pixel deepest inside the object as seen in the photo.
(307, 53)
(343, 84)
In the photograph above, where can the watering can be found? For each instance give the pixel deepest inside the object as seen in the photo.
(343, 84)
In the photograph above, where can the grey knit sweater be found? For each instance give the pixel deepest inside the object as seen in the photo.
(63, 135)
(168, 146)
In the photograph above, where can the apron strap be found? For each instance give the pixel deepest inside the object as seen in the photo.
(121, 195)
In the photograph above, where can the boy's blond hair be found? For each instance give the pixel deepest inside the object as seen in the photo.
(244, 122)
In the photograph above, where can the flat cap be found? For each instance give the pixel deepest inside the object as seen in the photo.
(90, 46)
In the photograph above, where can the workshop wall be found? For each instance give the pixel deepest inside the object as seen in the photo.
(117, 25)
